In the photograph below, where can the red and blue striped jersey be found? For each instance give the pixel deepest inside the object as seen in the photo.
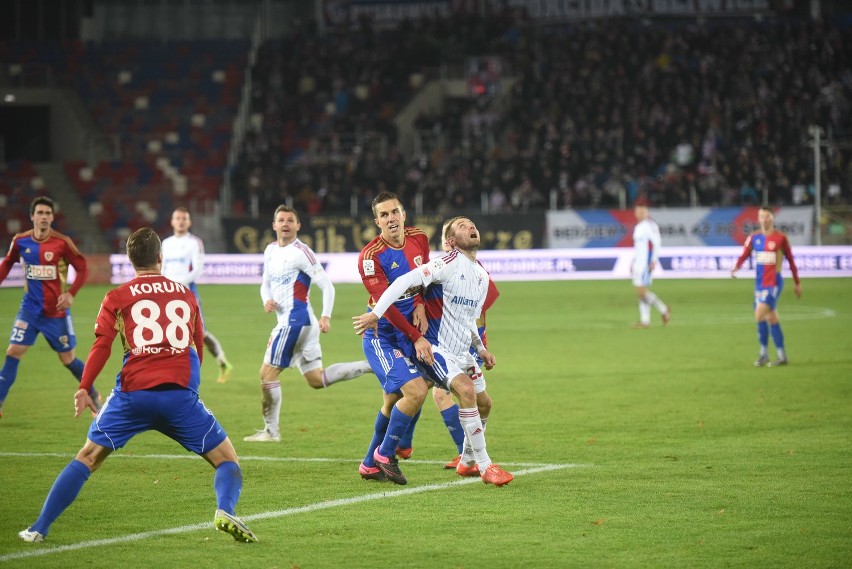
(45, 265)
(161, 333)
(380, 264)
(770, 250)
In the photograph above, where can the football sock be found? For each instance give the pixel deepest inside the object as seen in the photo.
(653, 299)
(397, 426)
(344, 372)
(406, 441)
(778, 338)
(228, 483)
(271, 404)
(472, 425)
(76, 368)
(763, 336)
(451, 421)
(8, 375)
(379, 430)
(214, 346)
(64, 491)
(644, 312)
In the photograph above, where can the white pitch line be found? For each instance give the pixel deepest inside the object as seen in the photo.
(265, 515)
(191, 456)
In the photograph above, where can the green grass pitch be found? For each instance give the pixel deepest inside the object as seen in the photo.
(662, 447)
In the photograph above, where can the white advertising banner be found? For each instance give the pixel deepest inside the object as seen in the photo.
(699, 226)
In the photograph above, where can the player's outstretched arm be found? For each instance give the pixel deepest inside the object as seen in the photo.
(83, 401)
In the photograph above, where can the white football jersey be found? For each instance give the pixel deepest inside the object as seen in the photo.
(288, 273)
(183, 258)
(463, 285)
(646, 244)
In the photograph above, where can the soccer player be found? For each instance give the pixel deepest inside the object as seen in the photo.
(443, 400)
(464, 286)
(157, 388)
(46, 305)
(289, 269)
(183, 261)
(391, 345)
(770, 247)
(646, 245)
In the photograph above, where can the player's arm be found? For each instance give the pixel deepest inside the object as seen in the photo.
(788, 254)
(376, 283)
(12, 257)
(269, 305)
(743, 256)
(412, 278)
(322, 281)
(196, 261)
(478, 345)
(106, 329)
(198, 332)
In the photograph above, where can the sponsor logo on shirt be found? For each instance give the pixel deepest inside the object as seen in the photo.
(369, 267)
(765, 258)
(41, 272)
(462, 301)
(157, 350)
(394, 265)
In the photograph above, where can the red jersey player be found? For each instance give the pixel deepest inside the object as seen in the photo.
(157, 388)
(46, 307)
(770, 248)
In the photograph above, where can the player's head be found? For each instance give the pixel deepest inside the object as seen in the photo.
(286, 224)
(143, 249)
(42, 201)
(766, 218)
(460, 232)
(640, 209)
(389, 216)
(41, 213)
(444, 245)
(181, 220)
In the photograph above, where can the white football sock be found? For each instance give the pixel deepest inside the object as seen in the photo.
(271, 405)
(344, 372)
(472, 425)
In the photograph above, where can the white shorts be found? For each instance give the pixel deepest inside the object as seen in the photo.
(294, 346)
(642, 275)
(447, 366)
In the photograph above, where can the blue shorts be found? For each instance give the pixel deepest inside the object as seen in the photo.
(768, 296)
(59, 332)
(177, 413)
(392, 368)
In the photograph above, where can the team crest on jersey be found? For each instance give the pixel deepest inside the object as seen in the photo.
(771, 245)
(369, 267)
(397, 354)
(48, 256)
(418, 260)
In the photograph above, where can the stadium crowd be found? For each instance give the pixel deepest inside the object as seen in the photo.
(716, 113)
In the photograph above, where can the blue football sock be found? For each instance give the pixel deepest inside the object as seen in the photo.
(406, 441)
(65, 489)
(379, 431)
(777, 335)
(8, 375)
(763, 336)
(399, 422)
(454, 427)
(76, 368)
(228, 483)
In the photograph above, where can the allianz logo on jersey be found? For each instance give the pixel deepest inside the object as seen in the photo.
(462, 301)
(41, 272)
